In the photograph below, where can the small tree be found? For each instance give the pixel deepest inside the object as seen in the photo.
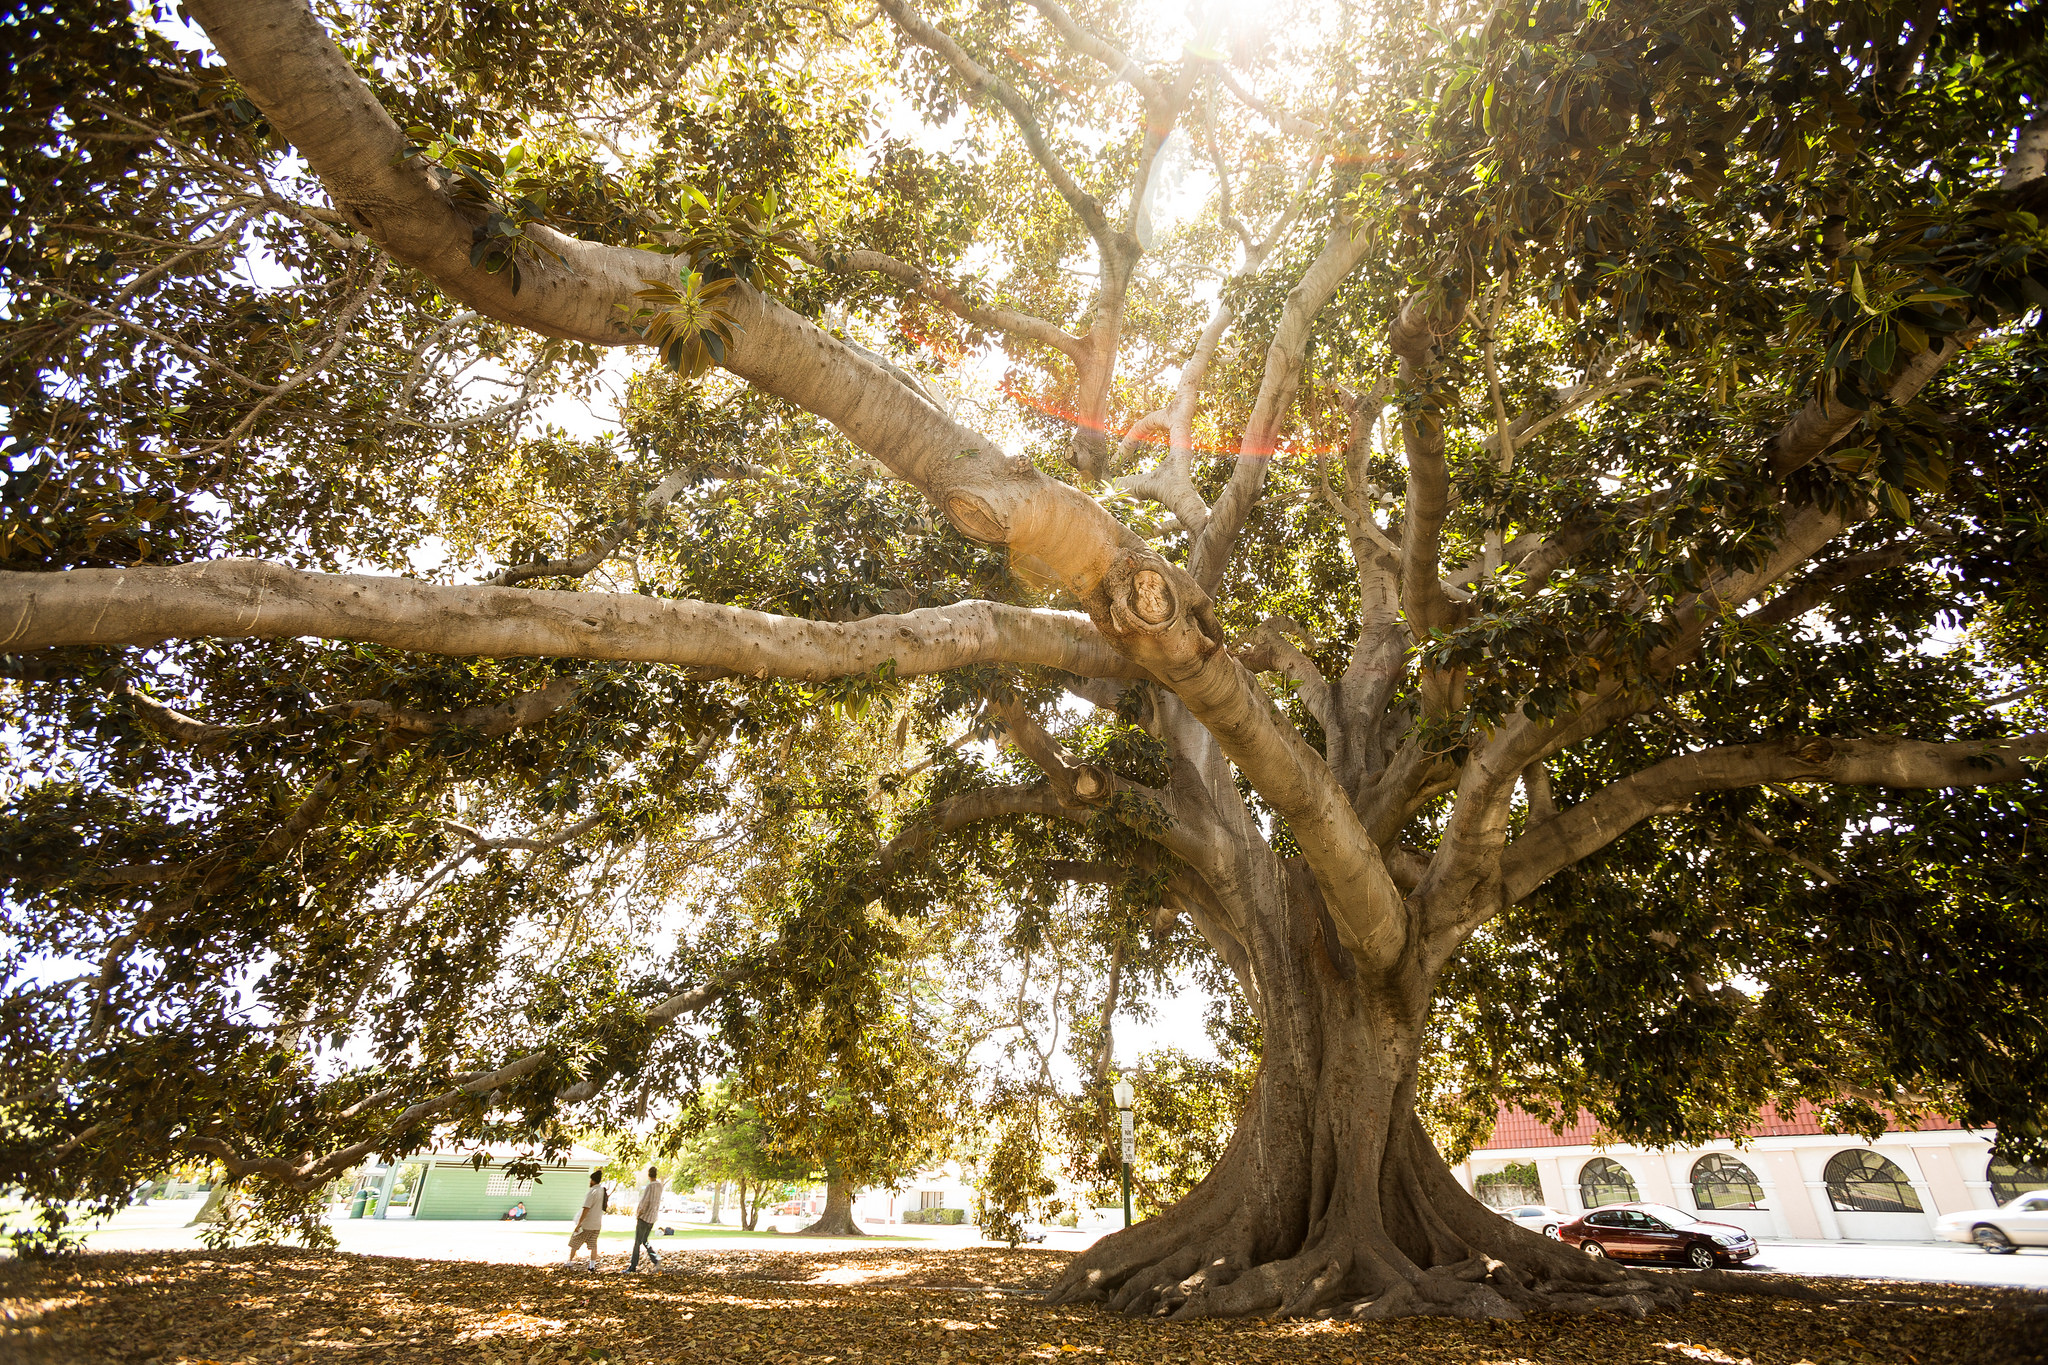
(733, 1145)
(844, 1069)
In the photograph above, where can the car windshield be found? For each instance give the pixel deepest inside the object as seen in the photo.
(1677, 1218)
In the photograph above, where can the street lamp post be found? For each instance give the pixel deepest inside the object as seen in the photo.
(1125, 1096)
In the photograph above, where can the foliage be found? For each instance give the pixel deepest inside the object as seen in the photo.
(263, 896)
(1187, 1108)
(1012, 1188)
(726, 1141)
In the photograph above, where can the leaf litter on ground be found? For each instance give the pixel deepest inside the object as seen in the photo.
(881, 1306)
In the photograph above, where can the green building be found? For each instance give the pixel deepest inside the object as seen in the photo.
(448, 1185)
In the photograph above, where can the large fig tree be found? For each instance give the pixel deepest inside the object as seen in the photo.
(1363, 462)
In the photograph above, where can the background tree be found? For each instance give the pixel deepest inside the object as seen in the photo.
(1609, 425)
(731, 1144)
(851, 1078)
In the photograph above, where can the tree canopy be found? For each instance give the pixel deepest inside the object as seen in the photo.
(553, 554)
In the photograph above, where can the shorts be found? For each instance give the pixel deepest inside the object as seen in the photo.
(579, 1240)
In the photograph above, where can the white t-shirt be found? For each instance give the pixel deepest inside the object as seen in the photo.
(592, 1215)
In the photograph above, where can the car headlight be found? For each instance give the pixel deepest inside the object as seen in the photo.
(1726, 1240)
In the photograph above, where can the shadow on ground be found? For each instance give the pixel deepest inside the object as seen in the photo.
(886, 1305)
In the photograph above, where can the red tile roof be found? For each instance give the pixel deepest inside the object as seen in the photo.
(1517, 1128)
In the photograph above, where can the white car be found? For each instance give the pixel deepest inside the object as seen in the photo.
(2020, 1222)
(1535, 1217)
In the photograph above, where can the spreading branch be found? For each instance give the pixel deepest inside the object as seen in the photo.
(1669, 787)
(1343, 249)
(984, 82)
(402, 1130)
(244, 598)
(928, 285)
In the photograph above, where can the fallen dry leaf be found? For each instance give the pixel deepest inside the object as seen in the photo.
(888, 1306)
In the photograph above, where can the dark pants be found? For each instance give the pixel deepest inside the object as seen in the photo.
(641, 1232)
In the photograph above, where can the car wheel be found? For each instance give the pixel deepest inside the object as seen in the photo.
(1550, 1231)
(1594, 1249)
(1992, 1240)
(1700, 1256)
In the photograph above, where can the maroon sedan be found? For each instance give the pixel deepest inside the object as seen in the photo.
(1657, 1232)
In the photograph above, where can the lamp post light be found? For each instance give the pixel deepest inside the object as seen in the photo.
(1125, 1097)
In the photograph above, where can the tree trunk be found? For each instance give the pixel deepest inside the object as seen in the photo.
(1330, 1199)
(837, 1219)
(209, 1212)
(718, 1202)
(749, 1213)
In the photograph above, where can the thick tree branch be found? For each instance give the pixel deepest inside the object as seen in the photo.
(241, 598)
(1091, 44)
(1080, 785)
(1105, 1055)
(501, 718)
(1269, 650)
(1414, 338)
(175, 725)
(1669, 786)
(956, 812)
(1170, 482)
(1812, 590)
(292, 70)
(1343, 249)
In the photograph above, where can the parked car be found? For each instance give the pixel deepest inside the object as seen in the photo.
(2018, 1222)
(1657, 1232)
(1535, 1217)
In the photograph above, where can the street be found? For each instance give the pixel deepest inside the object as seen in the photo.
(1946, 1262)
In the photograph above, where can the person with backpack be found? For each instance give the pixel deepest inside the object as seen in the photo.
(644, 1213)
(589, 1222)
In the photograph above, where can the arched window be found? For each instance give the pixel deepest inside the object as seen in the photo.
(1719, 1181)
(1602, 1181)
(2010, 1182)
(1864, 1182)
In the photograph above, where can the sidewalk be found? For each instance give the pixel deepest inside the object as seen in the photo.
(161, 1227)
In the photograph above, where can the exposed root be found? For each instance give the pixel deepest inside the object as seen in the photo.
(1365, 1277)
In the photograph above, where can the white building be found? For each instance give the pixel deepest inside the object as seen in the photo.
(946, 1186)
(1789, 1180)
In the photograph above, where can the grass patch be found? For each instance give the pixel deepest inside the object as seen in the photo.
(701, 1234)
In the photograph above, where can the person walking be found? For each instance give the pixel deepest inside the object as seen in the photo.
(644, 1213)
(589, 1221)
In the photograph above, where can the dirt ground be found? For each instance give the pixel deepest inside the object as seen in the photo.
(883, 1306)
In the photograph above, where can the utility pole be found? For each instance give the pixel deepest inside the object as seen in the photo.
(1125, 1097)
